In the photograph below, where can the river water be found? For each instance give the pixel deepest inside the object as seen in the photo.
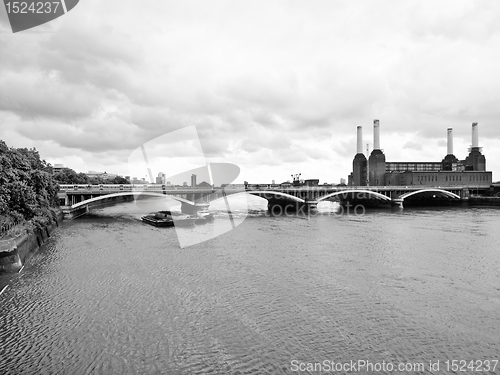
(110, 295)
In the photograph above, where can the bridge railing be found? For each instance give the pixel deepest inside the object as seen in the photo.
(371, 188)
(127, 187)
(269, 187)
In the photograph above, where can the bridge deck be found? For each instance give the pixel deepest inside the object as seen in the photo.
(103, 189)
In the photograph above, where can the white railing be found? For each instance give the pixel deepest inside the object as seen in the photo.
(127, 187)
(250, 187)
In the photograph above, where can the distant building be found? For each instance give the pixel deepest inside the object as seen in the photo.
(185, 184)
(161, 178)
(204, 184)
(136, 180)
(102, 175)
(312, 182)
(193, 180)
(57, 168)
(449, 172)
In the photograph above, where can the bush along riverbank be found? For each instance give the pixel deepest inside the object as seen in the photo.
(29, 208)
(17, 246)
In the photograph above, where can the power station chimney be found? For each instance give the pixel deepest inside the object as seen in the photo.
(376, 135)
(450, 141)
(475, 135)
(358, 176)
(476, 160)
(450, 161)
(376, 162)
(360, 140)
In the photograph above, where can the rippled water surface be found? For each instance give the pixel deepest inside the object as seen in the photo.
(111, 295)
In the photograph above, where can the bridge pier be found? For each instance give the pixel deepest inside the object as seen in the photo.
(278, 207)
(311, 205)
(397, 202)
(72, 213)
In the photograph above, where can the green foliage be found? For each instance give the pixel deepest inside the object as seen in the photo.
(27, 188)
(97, 181)
(69, 176)
(119, 180)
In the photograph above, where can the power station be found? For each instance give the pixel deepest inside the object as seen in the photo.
(376, 171)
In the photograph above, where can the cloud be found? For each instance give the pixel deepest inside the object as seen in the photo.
(272, 84)
(413, 145)
(35, 95)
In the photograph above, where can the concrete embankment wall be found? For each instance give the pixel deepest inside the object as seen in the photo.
(20, 248)
(484, 201)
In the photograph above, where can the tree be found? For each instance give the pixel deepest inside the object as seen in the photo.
(96, 180)
(119, 180)
(69, 176)
(27, 189)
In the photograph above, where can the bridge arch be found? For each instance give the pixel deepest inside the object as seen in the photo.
(350, 191)
(275, 195)
(428, 191)
(127, 193)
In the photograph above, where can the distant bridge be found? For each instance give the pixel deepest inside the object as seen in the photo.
(79, 198)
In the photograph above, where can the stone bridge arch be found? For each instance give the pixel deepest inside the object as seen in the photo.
(354, 191)
(275, 196)
(429, 191)
(129, 193)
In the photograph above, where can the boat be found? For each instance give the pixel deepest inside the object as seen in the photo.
(158, 219)
(168, 219)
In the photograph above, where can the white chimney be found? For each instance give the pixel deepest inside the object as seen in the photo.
(475, 135)
(360, 140)
(450, 141)
(376, 135)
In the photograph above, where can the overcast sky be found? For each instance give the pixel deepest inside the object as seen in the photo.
(275, 87)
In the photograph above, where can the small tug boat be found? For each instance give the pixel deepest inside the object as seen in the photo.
(158, 219)
(172, 218)
(168, 219)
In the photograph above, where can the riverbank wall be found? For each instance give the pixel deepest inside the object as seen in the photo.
(484, 201)
(14, 252)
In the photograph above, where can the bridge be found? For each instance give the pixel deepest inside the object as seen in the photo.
(78, 199)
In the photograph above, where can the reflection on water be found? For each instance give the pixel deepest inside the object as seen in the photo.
(111, 295)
